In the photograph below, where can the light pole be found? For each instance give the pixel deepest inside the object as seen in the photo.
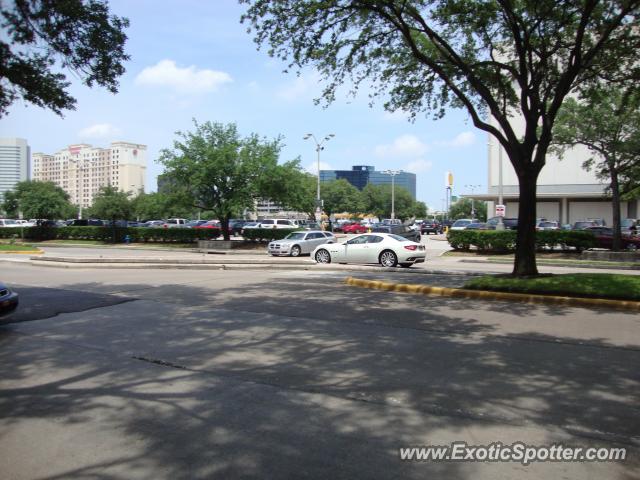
(393, 174)
(319, 147)
(473, 210)
(500, 225)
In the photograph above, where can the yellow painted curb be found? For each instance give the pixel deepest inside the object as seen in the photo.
(488, 295)
(23, 252)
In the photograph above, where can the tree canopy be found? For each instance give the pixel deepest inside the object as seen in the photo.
(225, 173)
(112, 204)
(40, 200)
(42, 37)
(340, 196)
(377, 201)
(508, 64)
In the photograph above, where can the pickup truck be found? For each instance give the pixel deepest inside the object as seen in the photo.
(175, 223)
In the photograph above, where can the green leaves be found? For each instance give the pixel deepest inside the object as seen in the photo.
(38, 200)
(111, 204)
(78, 35)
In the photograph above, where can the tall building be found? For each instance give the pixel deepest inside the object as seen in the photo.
(82, 170)
(361, 175)
(15, 157)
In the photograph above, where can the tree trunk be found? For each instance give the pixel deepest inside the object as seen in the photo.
(525, 261)
(615, 207)
(224, 224)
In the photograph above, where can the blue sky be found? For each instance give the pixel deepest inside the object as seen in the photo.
(193, 59)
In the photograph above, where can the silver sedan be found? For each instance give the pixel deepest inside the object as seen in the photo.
(298, 243)
(387, 249)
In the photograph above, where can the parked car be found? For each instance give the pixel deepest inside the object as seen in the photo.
(235, 226)
(312, 226)
(629, 226)
(546, 225)
(153, 224)
(195, 223)
(461, 224)
(85, 222)
(509, 223)
(355, 228)
(583, 225)
(210, 225)
(8, 300)
(339, 227)
(9, 223)
(386, 249)
(25, 223)
(277, 223)
(604, 238)
(248, 226)
(476, 226)
(398, 229)
(175, 223)
(430, 226)
(300, 243)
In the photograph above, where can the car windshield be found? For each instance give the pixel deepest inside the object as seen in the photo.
(295, 236)
(548, 224)
(627, 222)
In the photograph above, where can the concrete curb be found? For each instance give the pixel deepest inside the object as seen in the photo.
(488, 295)
(23, 252)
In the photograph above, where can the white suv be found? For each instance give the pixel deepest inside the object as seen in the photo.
(175, 223)
(278, 223)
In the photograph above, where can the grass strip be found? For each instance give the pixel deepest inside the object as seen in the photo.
(4, 247)
(587, 285)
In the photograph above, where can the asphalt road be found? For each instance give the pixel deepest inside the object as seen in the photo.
(257, 374)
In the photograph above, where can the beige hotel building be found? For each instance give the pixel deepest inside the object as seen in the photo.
(81, 170)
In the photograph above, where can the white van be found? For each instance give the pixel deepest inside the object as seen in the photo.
(278, 223)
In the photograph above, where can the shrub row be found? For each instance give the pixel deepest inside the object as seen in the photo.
(266, 234)
(505, 240)
(138, 234)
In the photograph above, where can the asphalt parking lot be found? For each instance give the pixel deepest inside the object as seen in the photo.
(286, 374)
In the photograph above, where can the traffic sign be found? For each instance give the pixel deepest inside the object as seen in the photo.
(500, 209)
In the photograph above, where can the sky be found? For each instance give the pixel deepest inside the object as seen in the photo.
(194, 60)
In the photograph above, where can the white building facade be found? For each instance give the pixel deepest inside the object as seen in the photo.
(15, 158)
(82, 170)
(566, 192)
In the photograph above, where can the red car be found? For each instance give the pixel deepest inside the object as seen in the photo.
(354, 228)
(212, 224)
(604, 238)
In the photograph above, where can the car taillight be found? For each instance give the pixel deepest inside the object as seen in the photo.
(410, 247)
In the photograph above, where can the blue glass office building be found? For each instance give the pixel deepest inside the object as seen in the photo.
(361, 175)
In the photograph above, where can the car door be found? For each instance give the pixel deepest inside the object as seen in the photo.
(373, 248)
(357, 249)
(312, 240)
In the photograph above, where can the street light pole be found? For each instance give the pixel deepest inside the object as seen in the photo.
(473, 210)
(319, 147)
(500, 225)
(393, 174)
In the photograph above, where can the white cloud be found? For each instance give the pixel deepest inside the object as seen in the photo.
(403, 146)
(312, 168)
(418, 166)
(302, 87)
(183, 80)
(463, 139)
(100, 130)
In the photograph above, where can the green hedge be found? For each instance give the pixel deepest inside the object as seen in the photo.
(267, 234)
(139, 234)
(505, 240)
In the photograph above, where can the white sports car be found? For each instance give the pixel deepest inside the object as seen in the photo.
(386, 249)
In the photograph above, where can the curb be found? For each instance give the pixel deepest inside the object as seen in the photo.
(489, 295)
(22, 252)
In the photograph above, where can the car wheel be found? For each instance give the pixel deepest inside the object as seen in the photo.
(323, 256)
(632, 246)
(295, 251)
(388, 259)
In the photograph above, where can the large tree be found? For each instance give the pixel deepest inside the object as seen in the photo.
(112, 204)
(607, 122)
(510, 64)
(222, 171)
(340, 196)
(40, 200)
(377, 200)
(43, 37)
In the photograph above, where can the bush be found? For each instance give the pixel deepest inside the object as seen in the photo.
(267, 234)
(105, 234)
(505, 240)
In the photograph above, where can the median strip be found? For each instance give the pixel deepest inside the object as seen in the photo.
(492, 295)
